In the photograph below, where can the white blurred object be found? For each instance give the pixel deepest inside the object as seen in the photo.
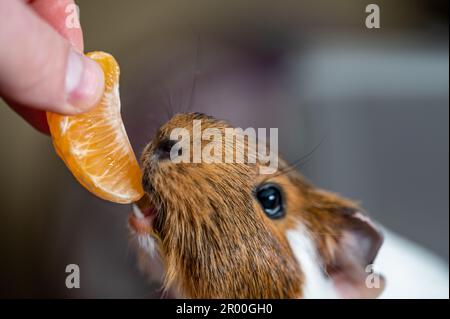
(410, 270)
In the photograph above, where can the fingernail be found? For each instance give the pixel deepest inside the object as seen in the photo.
(84, 82)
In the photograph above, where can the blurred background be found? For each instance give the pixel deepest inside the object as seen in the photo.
(377, 99)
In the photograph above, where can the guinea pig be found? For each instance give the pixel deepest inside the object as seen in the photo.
(224, 230)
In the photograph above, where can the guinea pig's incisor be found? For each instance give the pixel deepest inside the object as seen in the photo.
(225, 231)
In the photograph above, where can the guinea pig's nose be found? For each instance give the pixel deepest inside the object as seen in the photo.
(162, 150)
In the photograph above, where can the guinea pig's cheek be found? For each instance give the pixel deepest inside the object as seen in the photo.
(147, 184)
(150, 174)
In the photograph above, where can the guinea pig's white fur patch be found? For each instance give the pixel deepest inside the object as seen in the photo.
(316, 284)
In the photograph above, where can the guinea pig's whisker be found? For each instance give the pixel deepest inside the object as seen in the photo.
(168, 102)
(191, 100)
(297, 164)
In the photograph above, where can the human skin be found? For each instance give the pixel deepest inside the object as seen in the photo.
(42, 67)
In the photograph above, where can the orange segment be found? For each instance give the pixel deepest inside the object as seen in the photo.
(95, 145)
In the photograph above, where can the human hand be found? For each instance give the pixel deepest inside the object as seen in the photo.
(42, 66)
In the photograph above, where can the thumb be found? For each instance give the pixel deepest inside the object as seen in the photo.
(39, 68)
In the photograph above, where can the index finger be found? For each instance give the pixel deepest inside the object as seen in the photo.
(60, 14)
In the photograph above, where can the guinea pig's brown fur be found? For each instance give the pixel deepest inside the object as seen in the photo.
(215, 240)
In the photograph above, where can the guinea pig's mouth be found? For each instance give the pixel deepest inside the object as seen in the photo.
(142, 217)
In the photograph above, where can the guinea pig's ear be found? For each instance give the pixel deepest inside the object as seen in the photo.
(352, 255)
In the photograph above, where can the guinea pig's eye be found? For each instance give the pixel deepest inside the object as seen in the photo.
(271, 200)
